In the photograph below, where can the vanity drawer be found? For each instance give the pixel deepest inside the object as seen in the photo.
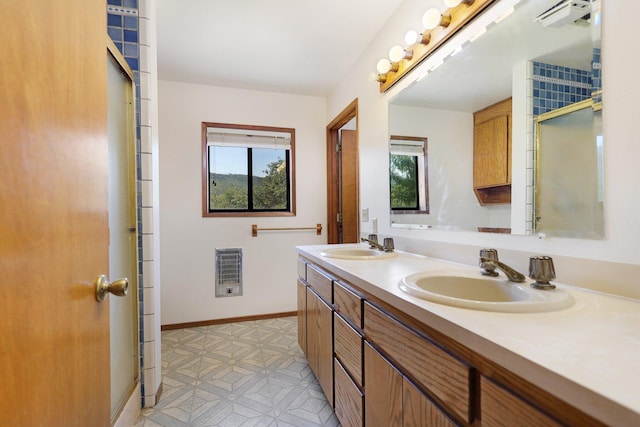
(348, 303)
(447, 378)
(347, 343)
(302, 269)
(500, 407)
(320, 282)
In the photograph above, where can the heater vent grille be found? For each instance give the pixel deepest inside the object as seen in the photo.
(228, 272)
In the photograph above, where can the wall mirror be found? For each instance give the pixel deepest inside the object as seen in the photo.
(540, 57)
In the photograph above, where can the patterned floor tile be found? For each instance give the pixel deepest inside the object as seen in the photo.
(237, 374)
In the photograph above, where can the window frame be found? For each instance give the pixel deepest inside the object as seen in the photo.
(206, 212)
(422, 178)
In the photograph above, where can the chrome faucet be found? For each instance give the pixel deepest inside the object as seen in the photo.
(511, 274)
(373, 242)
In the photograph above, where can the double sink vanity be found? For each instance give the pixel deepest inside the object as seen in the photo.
(401, 339)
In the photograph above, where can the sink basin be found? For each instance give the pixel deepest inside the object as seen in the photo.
(357, 253)
(469, 289)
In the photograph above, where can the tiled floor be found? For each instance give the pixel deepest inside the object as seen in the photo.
(238, 374)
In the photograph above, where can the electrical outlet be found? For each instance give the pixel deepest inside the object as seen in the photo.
(365, 215)
(374, 225)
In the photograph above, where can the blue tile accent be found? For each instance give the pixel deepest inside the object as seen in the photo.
(130, 36)
(130, 22)
(114, 20)
(130, 50)
(115, 34)
(133, 63)
(131, 3)
(115, 2)
(555, 86)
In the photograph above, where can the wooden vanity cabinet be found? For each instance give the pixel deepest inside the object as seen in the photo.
(492, 153)
(302, 316)
(392, 400)
(431, 367)
(319, 327)
(501, 408)
(347, 342)
(379, 367)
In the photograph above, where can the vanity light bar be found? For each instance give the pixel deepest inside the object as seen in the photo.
(439, 27)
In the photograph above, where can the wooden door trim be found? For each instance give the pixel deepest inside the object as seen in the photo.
(350, 112)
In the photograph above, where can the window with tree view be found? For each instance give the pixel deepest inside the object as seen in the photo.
(249, 170)
(408, 174)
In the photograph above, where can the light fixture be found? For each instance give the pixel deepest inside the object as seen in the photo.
(413, 37)
(375, 77)
(451, 16)
(397, 53)
(432, 18)
(383, 66)
(454, 3)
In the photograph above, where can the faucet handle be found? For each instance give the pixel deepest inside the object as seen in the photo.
(542, 271)
(388, 245)
(488, 268)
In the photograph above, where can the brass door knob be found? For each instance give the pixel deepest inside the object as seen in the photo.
(117, 287)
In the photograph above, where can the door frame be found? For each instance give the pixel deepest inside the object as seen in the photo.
(333, 194)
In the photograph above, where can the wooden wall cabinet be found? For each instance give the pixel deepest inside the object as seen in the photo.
(492, 153)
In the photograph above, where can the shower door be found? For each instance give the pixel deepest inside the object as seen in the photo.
(122, 235)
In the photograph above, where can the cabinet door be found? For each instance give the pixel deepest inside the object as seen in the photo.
(418, 410)
(302, 317)
(382, 391)
(490, 153)
(320, 342)
(349, 398)
(499, 407)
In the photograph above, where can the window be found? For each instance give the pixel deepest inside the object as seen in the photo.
(247, 170)
(408, 178)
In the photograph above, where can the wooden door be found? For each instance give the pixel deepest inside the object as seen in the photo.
(54, 335)
(349, 186)
(335, 162)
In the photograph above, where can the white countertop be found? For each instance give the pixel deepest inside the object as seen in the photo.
(587, 354)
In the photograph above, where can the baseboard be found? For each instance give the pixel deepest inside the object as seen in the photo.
(227, 320)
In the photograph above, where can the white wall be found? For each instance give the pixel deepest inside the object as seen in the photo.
(622, 145)
(189, 240)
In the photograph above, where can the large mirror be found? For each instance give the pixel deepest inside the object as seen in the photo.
(478, 110)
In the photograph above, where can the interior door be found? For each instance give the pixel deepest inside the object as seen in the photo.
(342, 177)
(54, 335)
(349, 186)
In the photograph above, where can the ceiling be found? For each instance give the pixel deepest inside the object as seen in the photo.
(291, 46)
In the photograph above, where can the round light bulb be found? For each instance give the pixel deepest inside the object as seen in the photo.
(431, 19)
(373, 76)
(452, 3)
(411, 37)
(396, 53)
(383, 66)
